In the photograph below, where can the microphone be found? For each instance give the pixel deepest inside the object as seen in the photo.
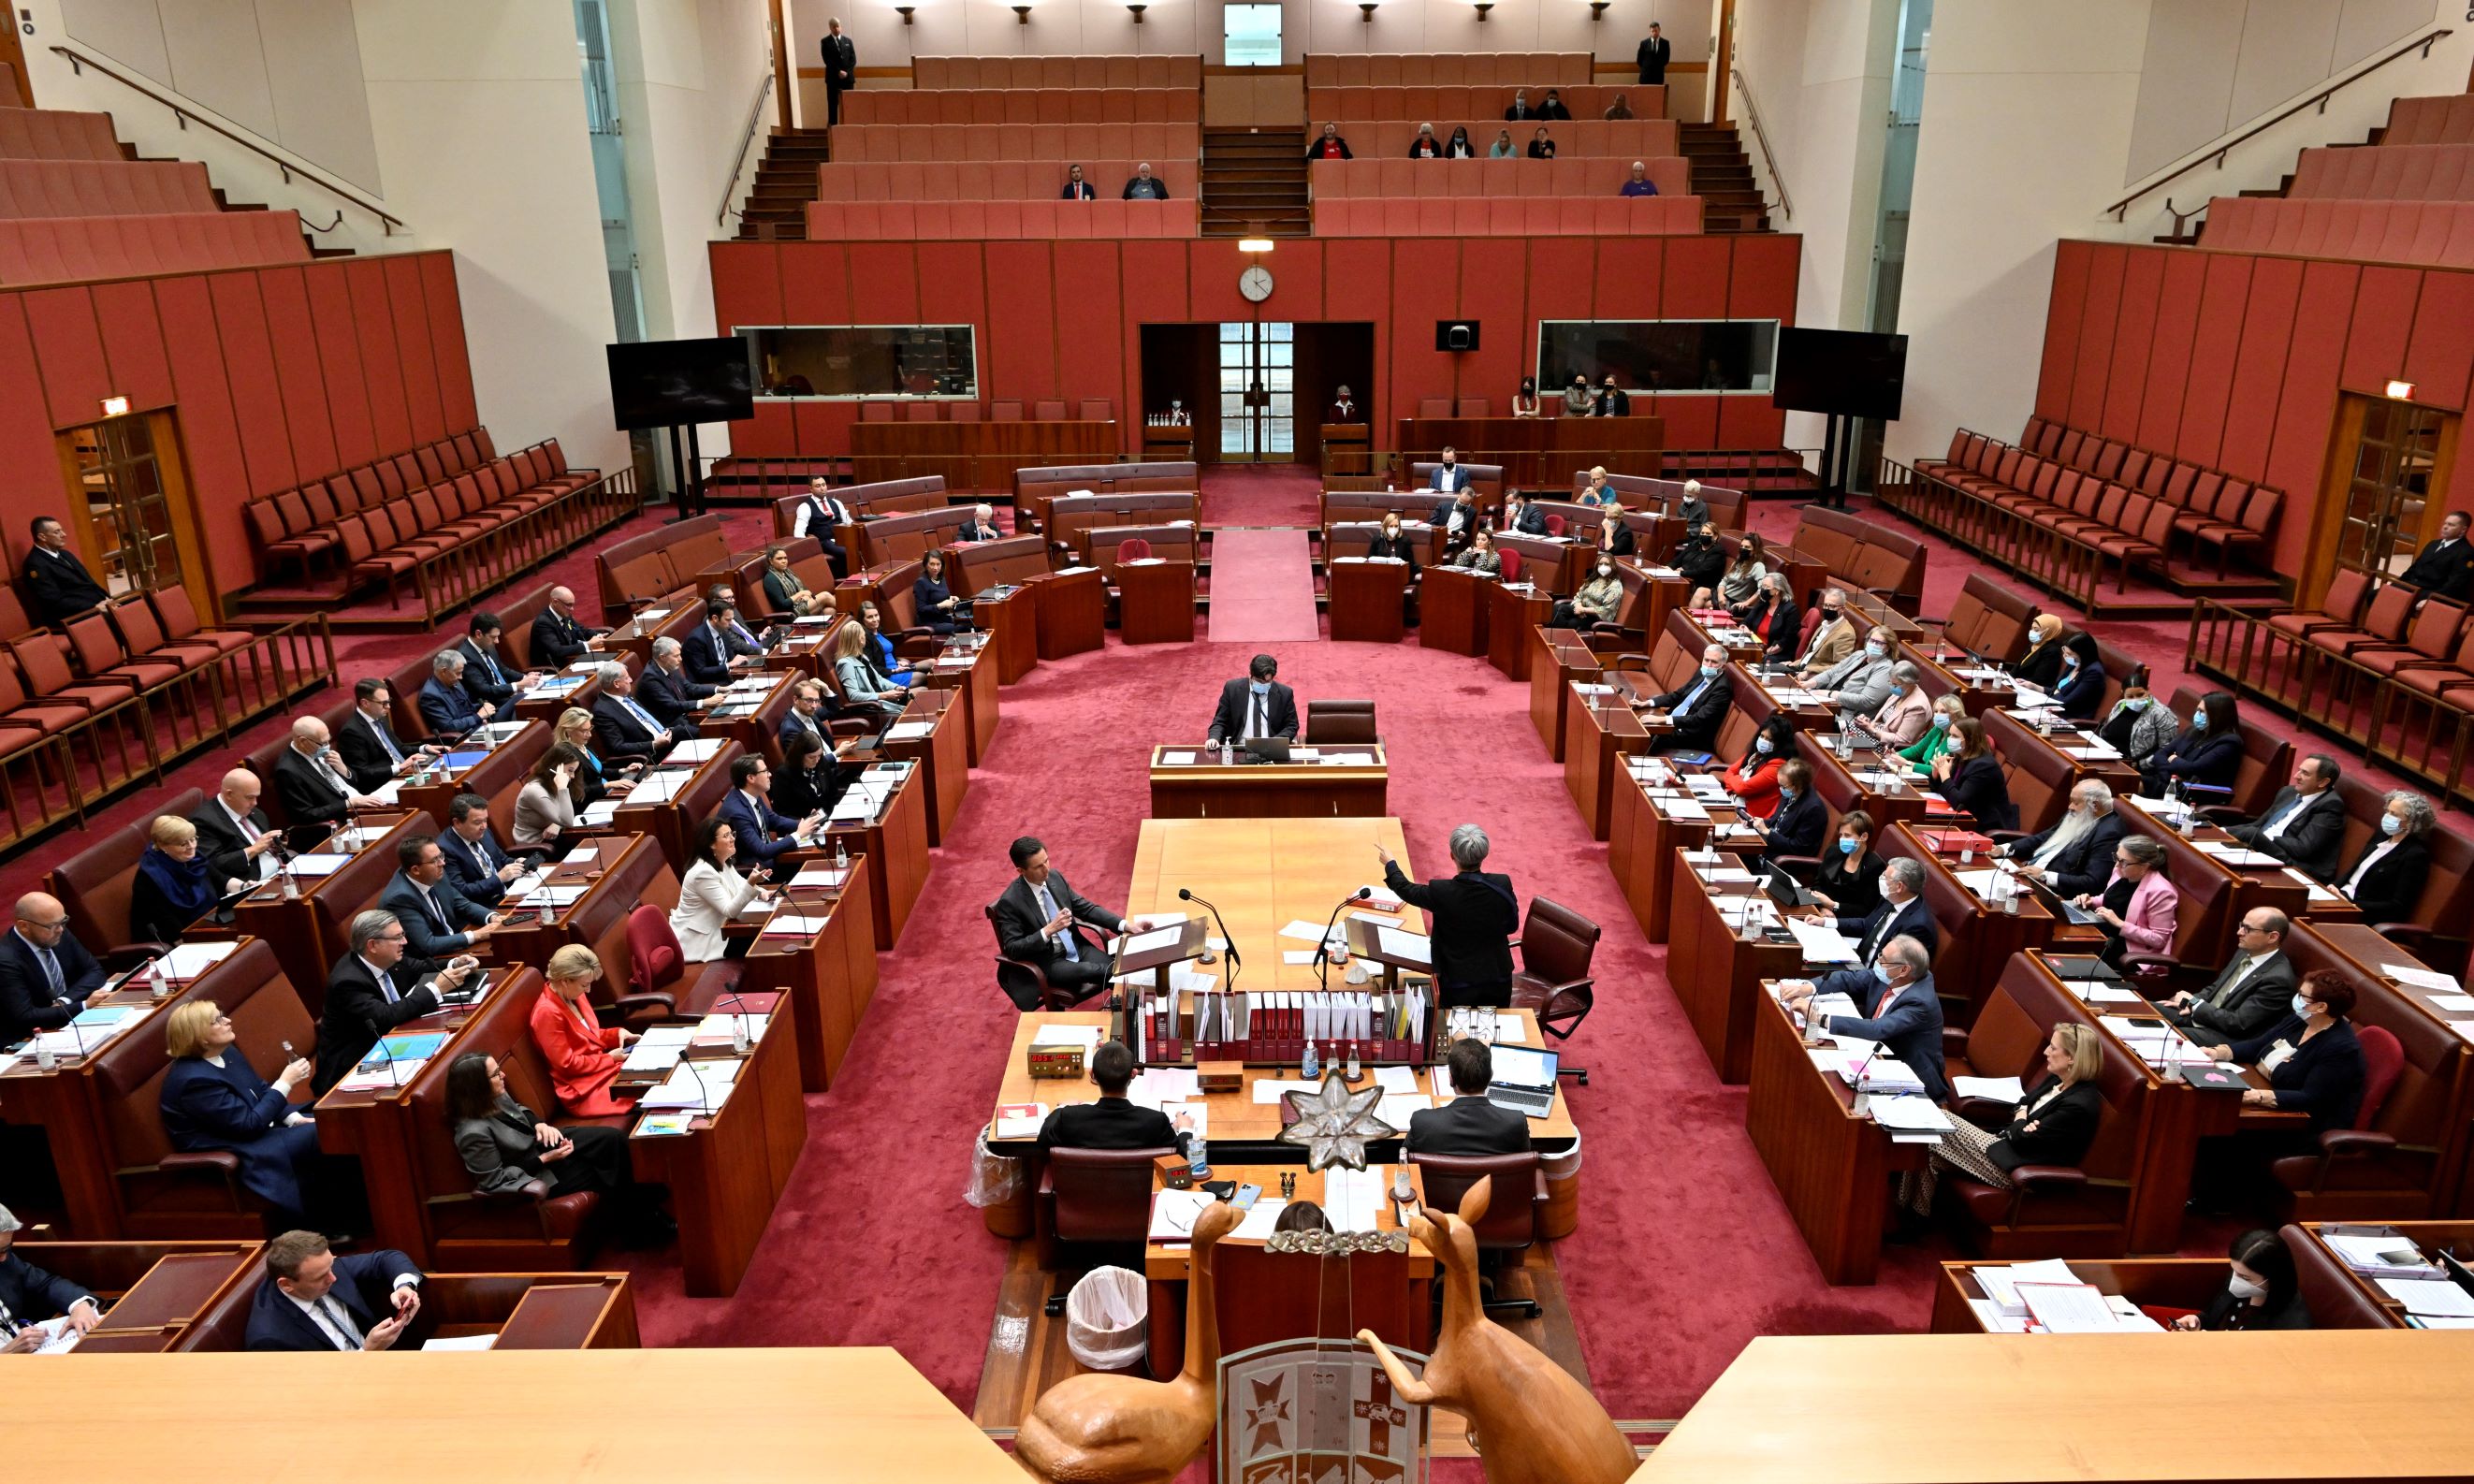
(1323, 945)
(1235, 960)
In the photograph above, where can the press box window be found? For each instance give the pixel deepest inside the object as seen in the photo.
(844, 361)
(1659, 356)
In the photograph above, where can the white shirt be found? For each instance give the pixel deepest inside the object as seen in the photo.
(2275, 829)
(2377, 851)
(339, 1325)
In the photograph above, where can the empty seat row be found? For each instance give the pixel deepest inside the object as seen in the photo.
(990, 180)
(2392, 631)
(1521, 216)
(57, 133)
(899, 221)
(53, 683)
(1061, 143)
(1478, 100)
(942, 72)
(1090, 409)
(1445, 69)
(2446, 119)
(1630, 138)
(2433, 233)
(64, 249)
(1583, 176)
(2125, 502)
(2398, 172)
(103, 187)
(1023, 106)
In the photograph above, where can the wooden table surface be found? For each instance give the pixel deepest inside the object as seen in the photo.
(1207, 788)
(1263, 874)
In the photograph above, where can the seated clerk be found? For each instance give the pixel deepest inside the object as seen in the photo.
(2313, 1065)
(1848, 883)
(667, 690)
(1970, 777)
(714, 653)
(1479, 555)
(1343, 408)
(2080, 691)
(1520, 518)
(2208, 752)
(546, 807)
(1699, 705)
(941, 610)
(1834, 637)
(713, 892)
(312, 1300)
(173, 886)
(1036, 920)
(505, 1146)
(762, 835)
(2443, 569)
(1772, 614)
(1392, 542)
(1902, 913)
(1474, 914)
(821, 514)
(478, 866)
(1598, 600)
(372, 752)
(2055, 1122)
(2042, 665)
(1920, 755)
(809, 779)
(1111, 1120)
(1468, 1126)
(371, 989)
(622, 729)
(447, 708)
(233, 834)
(487, 674)
(1077, 188)
(1256, 706)
(1898, 1007)
(1143, 186)
(1902, 715)
(584, 1055)
(558, 638)
(439, 921)
(2251, 994)
(862, 691)
(2304, 826)
(45, 973)
(2076, 856)
(212, 1099)
(309, 778)
(55, 584)
(1858, 684)
(1801, 820)
(879, 654)
(1458, 517)
(2387, 878)
(30, 1298)
(1615, 537)
(1329, 145)
(2261, 1292)
(1753, 779)
(2138, 905)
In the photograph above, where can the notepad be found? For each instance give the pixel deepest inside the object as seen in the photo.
(698, 749)
(2420, 978)
(1177, 760)
(1174, 1213)
(1416, 947)
(319, 863)
(1161, 938)
(2432, 1296)
(465, 1342)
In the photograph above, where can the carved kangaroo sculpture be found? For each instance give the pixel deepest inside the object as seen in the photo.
(1120, 1429)
(1531, 1421)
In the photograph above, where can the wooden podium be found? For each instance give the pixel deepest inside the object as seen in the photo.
(1367, 597)
(1452, 610)
(1072, 612)
(1155, 601)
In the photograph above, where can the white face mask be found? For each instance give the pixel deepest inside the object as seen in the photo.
(1605, 571)
(2242, 1287)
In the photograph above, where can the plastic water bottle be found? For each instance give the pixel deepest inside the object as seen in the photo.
(1198, 1158)
(547, 914)
(289, 884)
(156, 981)
(1353, 1072)
(1310, 1067)
(841, 856)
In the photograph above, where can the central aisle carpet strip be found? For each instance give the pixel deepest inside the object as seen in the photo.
(1262, 587)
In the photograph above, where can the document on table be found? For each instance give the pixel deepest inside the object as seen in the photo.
(601, 811)
(2454, 1004)
(819, 874)
(2069, 1308)
(1174, 1213)
(319, 863)
(188, 961)
(2001, 1284)
(1261, 1219)
(659, 788)
(1086, 1038)
(1303, 930)
(468, 1342)
(2383, 1256)
(699, 749)
(1158, 938)
(1990, 1315)
(1177, 760)
(909, 731)
(1905, 1114)
(1377, 918)
(1416, 947)
(1684, 809)
(1397, 1081)
(2420, 978)
(1821, 943)
(1353, 1199)
(2438, 1297)
(1509, 1030)
(2000, 1089)
(1270, 1088)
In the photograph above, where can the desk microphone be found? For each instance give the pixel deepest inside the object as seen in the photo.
(1323, 945)
(1235, 959)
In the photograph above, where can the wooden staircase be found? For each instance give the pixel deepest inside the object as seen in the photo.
(1254, 183)
(1722, 177)
(786, 182)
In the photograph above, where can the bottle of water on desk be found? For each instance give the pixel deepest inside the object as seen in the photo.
(1310, 1067)
(841, 856)
(288, 883)
(1354, 1071)
(1198, 1158)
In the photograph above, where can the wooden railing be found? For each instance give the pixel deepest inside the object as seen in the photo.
(488, 560)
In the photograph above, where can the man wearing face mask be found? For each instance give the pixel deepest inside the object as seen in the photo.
(1898, 1005)
(1834, 637)
(1901, 915)
(1699, 705)
(1257, 706)
(2076, 856)
(1520, 519)
(1449, 477)
(311, 779)
(1457, 518)
(1600, 597)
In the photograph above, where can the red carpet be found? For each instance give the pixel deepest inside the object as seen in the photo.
(1260, 495)
(1262, 587)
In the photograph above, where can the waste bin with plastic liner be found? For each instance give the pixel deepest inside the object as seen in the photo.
(1563, 1174)
(998, 1189)
(1105, 1316)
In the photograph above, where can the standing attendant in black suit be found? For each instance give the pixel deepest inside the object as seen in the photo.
(558, 640)
(312, 1300)
(372, 752)
(1109, 1121)
(30, 1297)
(1038, 919)
(1258, 706)
(1699, 705)
(2387, 878)
(55, 584)
(370, 991)
(2445, 567)
(45, 973)
(1653, 55)
(841, 68)
(2304, 826)
(235, 835)
(1468, 1126)
(309, 778)
(1473, 914)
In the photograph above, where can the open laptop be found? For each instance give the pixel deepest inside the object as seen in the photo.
(1785, 890)
(2062, 906)
(1524, 1081)
(1267, 749)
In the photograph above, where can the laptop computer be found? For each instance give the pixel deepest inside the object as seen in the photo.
(1524, 1081)
(2063, 907)
(1267, 749)
(1785, 890)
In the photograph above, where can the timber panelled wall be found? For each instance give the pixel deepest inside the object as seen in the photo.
(1063, 319)
(2235, 360)
(279, 374)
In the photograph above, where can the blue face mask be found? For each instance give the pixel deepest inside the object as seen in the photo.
(2302, 1005)
(1941, 721)
(1847, 847)
(2198, 721)
(2389, 824)
(1262, 688)
(1786, 795)
(1709, 672)
(1881, 974)
(2070, 661)
(1761, 746)
(2135, 703)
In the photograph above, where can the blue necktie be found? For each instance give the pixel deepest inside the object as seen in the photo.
(643, 718)
(490, 665)
(1692, 695)
(2285, 814)
(386, 740)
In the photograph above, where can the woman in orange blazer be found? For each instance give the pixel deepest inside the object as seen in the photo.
(583, 1055)
(1754, 778)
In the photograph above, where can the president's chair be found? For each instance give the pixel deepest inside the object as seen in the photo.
(1509, 1226)
(1341, 722)
(1554, 981)
(1095, 1199)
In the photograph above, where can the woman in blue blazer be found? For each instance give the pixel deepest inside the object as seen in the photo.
(214, 1099)
(2080, 690)
(2209, 751)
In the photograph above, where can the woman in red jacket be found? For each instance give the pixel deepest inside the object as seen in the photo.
(1753, 779)
(583, 1053)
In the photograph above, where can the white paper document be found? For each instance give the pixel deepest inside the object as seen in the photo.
(700, 749)
(1821, 943)
(1174, 1213)
(2436, 1296)
(2420, 978)
(1999, 1089)
(468, 1342)
(1303, 932)
(1177, 760)
(1269, 1089)
(1416, 947)
(1297, 956)
(1160, 938)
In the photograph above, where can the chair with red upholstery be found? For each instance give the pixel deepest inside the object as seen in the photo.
(1556, 946)
(1026, 985)
(1510, 564)
(93, 885)
(1556, 525)
(658, 970)
(2354, 1174)
(1509, 1226)
(1133, 548)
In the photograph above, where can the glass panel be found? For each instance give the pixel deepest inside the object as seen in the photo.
(844, 361)
(128, 521)
(1659, 356)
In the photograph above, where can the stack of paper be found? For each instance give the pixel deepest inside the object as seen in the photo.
(2429, 1297)
(1156, 1085)
(1020, 1120)
(1997, 1089)
(1353, 1199)
(1821, 943)
(1261, 1219)
(2420, 978)
(2381, 1256)
(790, 924)
(2001, 1284)
(702, 1084)
(659, 1049)
(600, 812)
(1268, 1090)
(818, 874)
(724, 1025)
(187, 960)
(1903, 1116)
(700, 749)
(1174, 1213)
(1177, 760)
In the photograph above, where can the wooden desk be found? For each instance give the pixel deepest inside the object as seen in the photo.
(1367, 597)
(669, 618)
(1010, 619)
(999, 575)
(893, 845)
(297, 927)
(1264, 873)
(1717, 971)
(982, 456)
(1512, 612)
(2168, 1282)
(728, 1171)
(831, 972)
(1452, 610)
(671, 821)
(1073, 613)
(968, 665)
(533, 1311)
(1155, 602)
(619, 873)
(501, 768)
(550, 699)
(1599, 731)
(751, 719)
(1976, 937)
(1556, 657)
(156, 1290)
(1202, 787)
(1642, 840)
(2456, 1238)
(1831, 1166)
(1539, 454)
(941, 752)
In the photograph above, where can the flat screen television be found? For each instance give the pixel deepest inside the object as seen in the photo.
(1845, 373)
(657, 383)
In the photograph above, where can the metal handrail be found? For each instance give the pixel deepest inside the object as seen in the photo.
(738, 161)
(1760, 136)
(79, 61)
(2317, 100)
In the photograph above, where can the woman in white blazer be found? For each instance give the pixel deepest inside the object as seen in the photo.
(711, 893)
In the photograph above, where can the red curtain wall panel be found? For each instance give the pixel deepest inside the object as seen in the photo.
(2384, 313)
(2099, 314)
(2134, 337)
(2258, 373)
(1213, 267)
(2437, 356)
(297, 372)
(769, 433)
(2214, 349)
(407, 302)
(2168, 358)
(1746, 421)
(1691, 422)
(133, 343)
(68, 347)
(2307, 405)
(2059, 369)
(952, 284)
(885, 282)
(813, 287)
(1764, 277)
(249, 366)
(1298, 273)
(1495, 292)
(1085, 292)
(752, 284)
(381, 364)
(447, 349)
(1023, 324)
(1631, 275)
(1699, 271)
(339, 361)
(822, 424)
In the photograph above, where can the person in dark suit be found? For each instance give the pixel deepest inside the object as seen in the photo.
(1848, 883)
(1542, 146)
(558, 640)
(1772, 613)
(1970, 777)
(1902, 913)
(1109, 1121)
(821, 514)
(1473, 914)
(940, 609)
(2444, 568)
(447, 708)
(762, 835)
(372, 752)
(312, 1300)
(2208, 752)
(1449, 476)
(2304, 826)
(1520, 110)
(309, 778)
(2314, 1065)
(2387, 878)
(2253, 992)
(45, 973)
(2055, 1122)
(212, 1099)
(1653, 54)
(1615, 536)
(1391, 541)
(2261, 1292)
(1458, 517)
(1520, 518)
(1039, 918)
(1897, 1003)
(1551, 107)
(714, 652)
(667, 690)
(173, 886)
(1077, 188)
(55, 584)
(841, 68)
(1144, 185)
(2080, 686)
(621, 727)
(1796, 827)
(235, 835)
(1699, 705)
(1329, 145)
(370, 990)
(1257, 706)
(2076, 856)
(809, 779)
(1468, 1126)
(30, 1297)
(982, 526)
(487, 674)
(1342, 409)
(505, 1146)
(1612, 401)
(807, 714)
(477, 864)
(439, 921)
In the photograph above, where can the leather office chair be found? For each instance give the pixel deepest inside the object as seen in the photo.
(1510, 1225)
(1555, 524)
(1556, 946)
(1098, 1199)
(1510, 564)
(2351, 1162)
(94, 884)
(1341, 722)
(658, 970)
(1026, 983)
(1133, 548)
